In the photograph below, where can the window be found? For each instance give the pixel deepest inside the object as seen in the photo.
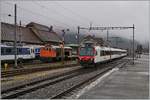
(9, 51)
(102, 53)
(107, 52)
(19, 51)
(86, 51)
(25, 51)
(37, 50)
(2, 51)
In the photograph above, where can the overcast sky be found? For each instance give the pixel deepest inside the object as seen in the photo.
(70, 14)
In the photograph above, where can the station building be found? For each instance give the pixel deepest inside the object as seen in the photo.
(94, 40)
(32, 34)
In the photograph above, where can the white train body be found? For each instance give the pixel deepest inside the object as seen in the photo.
(98, 54)
(100, 58)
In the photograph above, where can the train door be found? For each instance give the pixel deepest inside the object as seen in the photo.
(32, 54)
(97, 55)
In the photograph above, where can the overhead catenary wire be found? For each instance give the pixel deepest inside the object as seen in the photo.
(73, 12)
(62, 15)
(29, 11)
(28, 19)
(39, 14)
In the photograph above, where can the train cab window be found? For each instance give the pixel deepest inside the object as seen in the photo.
(86, 51)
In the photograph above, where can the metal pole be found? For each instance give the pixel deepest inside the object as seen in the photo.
(63, 53)
(116, 42)
(62, 56)
(20, 35)
(133, 43)
(64, 35)
(78, 34)
(107, 35)
(15, 37)
(78, 39)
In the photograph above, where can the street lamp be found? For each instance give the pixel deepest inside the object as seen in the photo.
(15, 33)
(63, 43)
(64, 33)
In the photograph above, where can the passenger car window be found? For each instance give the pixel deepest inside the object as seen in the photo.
(2, 51)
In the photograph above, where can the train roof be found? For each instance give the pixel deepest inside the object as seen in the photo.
(2, 45)
(110, 49)
(66, 47)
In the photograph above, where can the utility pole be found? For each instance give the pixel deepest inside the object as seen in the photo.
(63, 35)
(133, 43)
(62, 47)
(78, 33)
(20, 35)
(78, 39)
(107, 35)
(15, 35)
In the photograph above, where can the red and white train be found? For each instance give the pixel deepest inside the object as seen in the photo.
(92, 55)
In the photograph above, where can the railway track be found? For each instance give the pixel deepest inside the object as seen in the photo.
(81, 76)
(65, 93)
(13, 92)
(43, 67)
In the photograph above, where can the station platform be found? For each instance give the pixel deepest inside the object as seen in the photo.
(129, 82)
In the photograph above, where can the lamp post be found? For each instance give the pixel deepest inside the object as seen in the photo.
(15, 37)
(133, 43)
(63, 43)
(15, 34)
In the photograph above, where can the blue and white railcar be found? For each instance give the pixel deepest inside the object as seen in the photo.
(37, 50)
(23, 52)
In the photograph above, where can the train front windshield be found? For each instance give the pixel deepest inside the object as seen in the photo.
(84, 51)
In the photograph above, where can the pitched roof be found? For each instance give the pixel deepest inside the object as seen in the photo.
(93, 39)
(7, 34)
(43, 32)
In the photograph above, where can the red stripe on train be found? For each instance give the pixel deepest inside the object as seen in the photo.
(86, 58)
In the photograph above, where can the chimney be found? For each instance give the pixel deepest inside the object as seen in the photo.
(51, 28)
